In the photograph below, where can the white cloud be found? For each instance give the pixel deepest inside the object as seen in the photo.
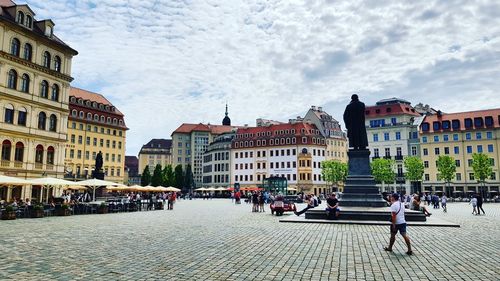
(167, 62)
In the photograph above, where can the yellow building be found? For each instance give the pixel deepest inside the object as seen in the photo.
(35, 73)
(94, 126)
(155, 152)
(460, 135)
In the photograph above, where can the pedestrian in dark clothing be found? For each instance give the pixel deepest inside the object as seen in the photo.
(480, 204)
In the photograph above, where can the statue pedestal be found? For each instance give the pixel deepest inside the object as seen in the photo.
(98, 175)
(360, 188)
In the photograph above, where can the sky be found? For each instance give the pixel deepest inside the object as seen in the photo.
(164, 63)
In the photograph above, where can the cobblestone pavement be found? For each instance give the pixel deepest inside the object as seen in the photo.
(215, 240)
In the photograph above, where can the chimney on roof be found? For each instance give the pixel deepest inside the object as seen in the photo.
(320, 109)
(439, 113)
(313, 107)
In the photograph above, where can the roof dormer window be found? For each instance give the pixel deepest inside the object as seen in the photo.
(29, 21)
(20, 17)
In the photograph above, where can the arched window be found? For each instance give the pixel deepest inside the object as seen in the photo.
(81, 114)
(12, 79)
(9, 114)
(89, 116)
(6, 148)
(39, 154)
(29, 21)
(42, 120)
(108, 120)
(15, 47)
(20, 17)
(28, 52)
(53, 123)
(74, 113)
(55, 93)
(50, 155)
(19, 152)
(25, 83)
(57, 64)
(46, 59)
(44, 89)
(22, 115)
(115, 121)
(103, 119)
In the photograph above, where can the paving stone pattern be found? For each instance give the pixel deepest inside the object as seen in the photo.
(216, 240)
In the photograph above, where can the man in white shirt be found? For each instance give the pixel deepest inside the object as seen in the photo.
(398, 223)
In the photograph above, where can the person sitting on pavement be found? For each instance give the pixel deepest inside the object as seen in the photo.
(332, 206)
(310, 205)
(417, 206)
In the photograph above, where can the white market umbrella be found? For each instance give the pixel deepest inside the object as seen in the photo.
(201, 189)
(5, 180)
(221, 189)
(95, 183)
(173, 189)
(52, 182)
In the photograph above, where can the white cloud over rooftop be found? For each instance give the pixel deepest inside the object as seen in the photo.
(167, 62)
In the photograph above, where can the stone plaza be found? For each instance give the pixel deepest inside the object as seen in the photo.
(217, 240)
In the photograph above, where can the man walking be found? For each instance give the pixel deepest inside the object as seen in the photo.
(398, 223)
(480, 204)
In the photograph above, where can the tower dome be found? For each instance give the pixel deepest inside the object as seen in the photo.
(226, 121)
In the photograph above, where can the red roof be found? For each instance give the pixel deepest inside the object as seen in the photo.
(91, 96)
(389, 109)
(187, 128)
(494, 114)
(7, 3)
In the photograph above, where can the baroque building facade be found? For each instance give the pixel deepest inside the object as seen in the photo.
(95, 125)
(35, 76)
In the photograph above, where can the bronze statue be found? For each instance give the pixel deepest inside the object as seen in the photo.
(98, 162)
(354, 119)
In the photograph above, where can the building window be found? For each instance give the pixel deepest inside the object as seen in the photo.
(398, 135)
(376, 153)
(480, 149)
(20, 17)
(425, 127)
(375, 137)
(425, 151)
(19, 152)
(25, 83)
(436, 138)
(52, 123)
(436, 151)
(29, 21)
(490, 148)
(424, 139)
(50, 155)
(468, 136)
(9, 114)
(12, 79)
(22, 116)
(46, 59)
(446, 125)
(15, 47)
(469, 149)
(446, 150)
(57, 64)
(479, 135)
(426, 164)
(44, 92)
(6, 150)
(456, 150)
(386, 136)
(55, 93)
(457, 163)
(413, 150)
(28, 52)
(42, 120)
(468, 123)
(39, 154)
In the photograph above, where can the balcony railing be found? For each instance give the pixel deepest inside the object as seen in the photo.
(18, 164)
(5, 163)
(39, 166)
(49, 167)
(387, 157)
(398, 157)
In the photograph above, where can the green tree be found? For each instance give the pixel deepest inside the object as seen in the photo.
(146, 176)
(383, 171)
(414, 167)
(334, 172)
(168, 176)
(481, 165)
(178, 176)
(446, 168)
(157, 178)
(188, 179)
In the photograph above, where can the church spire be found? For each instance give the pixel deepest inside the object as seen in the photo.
(226, 121)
